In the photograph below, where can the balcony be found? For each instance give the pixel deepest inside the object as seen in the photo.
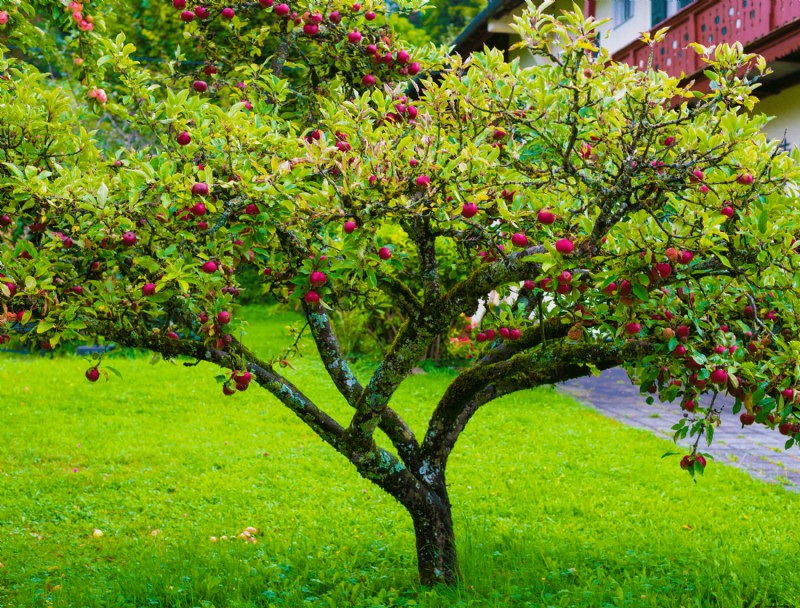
(768, 27)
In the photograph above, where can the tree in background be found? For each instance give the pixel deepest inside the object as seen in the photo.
(650, 226)
(439, 23)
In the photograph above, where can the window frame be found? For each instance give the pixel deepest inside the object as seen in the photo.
(623, 11)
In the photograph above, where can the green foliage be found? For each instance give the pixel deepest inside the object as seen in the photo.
(603, 520)
(438, 23)
(623, 219)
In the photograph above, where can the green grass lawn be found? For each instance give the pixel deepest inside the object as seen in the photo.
(554, 505)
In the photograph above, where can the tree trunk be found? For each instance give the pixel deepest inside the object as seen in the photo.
(436, 542)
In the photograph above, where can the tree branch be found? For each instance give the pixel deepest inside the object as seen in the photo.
(400, 434)
(481, 385)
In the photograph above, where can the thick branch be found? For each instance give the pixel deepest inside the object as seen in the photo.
(557, 363)
(410, 343)
(401, 295)
(418, 332)
(400, 434)
(373, 463)
(325, 426)
(425, 242)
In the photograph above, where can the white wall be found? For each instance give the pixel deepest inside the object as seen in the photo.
(786, 110)
(616, 36)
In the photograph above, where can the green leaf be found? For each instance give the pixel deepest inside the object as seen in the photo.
(640, 292)
(114, 371)
(595, 371)
(44, 326)
(762, 221)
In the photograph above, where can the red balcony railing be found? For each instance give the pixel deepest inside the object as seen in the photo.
(768, 27)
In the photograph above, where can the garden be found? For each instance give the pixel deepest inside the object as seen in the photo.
(286, 301)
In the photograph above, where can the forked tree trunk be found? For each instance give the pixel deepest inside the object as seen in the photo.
(437, 559)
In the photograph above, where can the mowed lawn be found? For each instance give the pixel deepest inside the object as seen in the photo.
(554, 504)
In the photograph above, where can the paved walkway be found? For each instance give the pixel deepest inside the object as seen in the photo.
(758, 450)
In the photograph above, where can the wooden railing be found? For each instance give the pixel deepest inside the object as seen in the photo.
(767, 27)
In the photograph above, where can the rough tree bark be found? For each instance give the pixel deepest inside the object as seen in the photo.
(437, 559)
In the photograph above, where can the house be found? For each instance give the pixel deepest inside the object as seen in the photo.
(768, 27)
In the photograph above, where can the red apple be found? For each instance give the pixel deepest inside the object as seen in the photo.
(719, 376)
(469, 210)
(747, 418)
(92, 374)
(664, 270)
(633, 328)
(565, 246)
(519, 240)
(317, 278)
(545, 216)
(209, 267)
(384, 253)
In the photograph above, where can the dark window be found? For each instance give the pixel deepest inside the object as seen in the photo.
(663, 9)
(658, 11)
(623, 10)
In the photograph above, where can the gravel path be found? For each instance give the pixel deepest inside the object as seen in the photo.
(758, 450)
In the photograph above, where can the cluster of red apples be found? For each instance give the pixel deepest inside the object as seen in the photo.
(377, 46)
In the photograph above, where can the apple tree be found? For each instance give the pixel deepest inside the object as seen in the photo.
(642, 223)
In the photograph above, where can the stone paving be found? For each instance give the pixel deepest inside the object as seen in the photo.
(757, 449)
